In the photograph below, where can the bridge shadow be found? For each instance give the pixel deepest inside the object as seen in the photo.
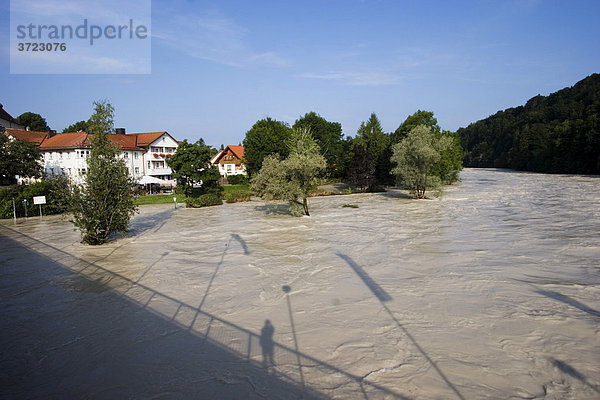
(153, 221)
(568, 300)
(99, 334)
(569, 370)
(383, 297)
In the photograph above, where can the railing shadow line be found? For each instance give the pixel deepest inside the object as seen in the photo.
(129, 283)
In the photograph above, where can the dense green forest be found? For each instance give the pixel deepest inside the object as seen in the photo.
(559, 133)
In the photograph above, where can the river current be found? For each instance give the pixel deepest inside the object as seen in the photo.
(490, 291)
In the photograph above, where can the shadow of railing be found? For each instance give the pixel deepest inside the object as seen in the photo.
(568, 300)
(569, 370)
(314, 374)
(382, 296)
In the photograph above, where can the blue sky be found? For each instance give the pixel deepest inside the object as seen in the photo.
(218, 67)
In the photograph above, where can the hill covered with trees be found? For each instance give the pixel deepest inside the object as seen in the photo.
(559, 133)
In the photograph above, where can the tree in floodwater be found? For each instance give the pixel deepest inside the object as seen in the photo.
(417, 158)
(294, 177)
(104, 203)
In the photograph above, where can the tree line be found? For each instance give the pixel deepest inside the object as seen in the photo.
(365, 160)
(559, 133)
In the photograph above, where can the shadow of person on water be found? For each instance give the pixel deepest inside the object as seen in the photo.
(267, 344)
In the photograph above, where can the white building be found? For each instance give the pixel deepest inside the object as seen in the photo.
(230, 161)
(66, 153)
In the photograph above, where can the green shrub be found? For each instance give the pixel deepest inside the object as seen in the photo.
(56, 191)
(205, 200)
(238, 195)
(237, 179)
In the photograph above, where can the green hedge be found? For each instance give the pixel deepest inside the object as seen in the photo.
(205, 200)
(237, 179)
(237, 195)
(56, 191)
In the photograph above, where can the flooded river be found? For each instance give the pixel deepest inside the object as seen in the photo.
(491, 291)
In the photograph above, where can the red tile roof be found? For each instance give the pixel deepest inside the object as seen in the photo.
(144, 139)
(78, 140)
(238, 151)
(29, 136)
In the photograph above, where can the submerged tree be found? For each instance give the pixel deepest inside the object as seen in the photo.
(417, 159)
(294, 177)
(103, 205)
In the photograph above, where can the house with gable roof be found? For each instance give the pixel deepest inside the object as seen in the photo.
(7, 121)
(230, 161)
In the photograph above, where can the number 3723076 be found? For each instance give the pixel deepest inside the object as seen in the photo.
(42, 46)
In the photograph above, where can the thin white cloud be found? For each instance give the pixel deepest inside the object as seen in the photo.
(214, 38)
(356, 78)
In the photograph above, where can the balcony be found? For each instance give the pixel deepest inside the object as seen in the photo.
(160, 171)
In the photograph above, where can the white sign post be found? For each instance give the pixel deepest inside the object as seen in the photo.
(39, 200)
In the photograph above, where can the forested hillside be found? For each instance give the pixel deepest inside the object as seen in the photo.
(559, 133)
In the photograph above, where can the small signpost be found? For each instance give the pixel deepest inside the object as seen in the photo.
(175, 201)
(39, 200)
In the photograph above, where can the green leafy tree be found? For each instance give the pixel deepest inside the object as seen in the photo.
(34, 121)
(420, 117)
(417, 157)
(80, 126)
(361, 170)
(377, 143)
(103, 205)
(328, 136)
(18, 157)
(293, 178)
(191, 165)
(266, 137)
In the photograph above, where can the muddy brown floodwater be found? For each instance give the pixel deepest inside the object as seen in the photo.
(492, 291)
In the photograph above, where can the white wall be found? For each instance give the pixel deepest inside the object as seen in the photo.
(157, 165)
(73, 163)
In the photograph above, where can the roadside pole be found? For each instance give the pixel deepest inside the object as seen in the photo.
(14, 211)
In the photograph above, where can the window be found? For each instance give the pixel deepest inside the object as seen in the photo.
(69, 154)
(137, 170)
(51, 171)
(50, 155)
(60, 155)
(62, 171)
(69, 169)
(87, 153)
(135, 155)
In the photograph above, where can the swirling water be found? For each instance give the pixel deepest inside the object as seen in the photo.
(491, 291)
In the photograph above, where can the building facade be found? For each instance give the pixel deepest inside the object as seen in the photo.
(230, 161)
(7, 121)
(66, 153)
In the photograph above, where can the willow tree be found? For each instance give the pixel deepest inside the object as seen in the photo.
(417, 159)
(103, 205)
(295, 177)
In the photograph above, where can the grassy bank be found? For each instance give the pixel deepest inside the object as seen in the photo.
(158, 199)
